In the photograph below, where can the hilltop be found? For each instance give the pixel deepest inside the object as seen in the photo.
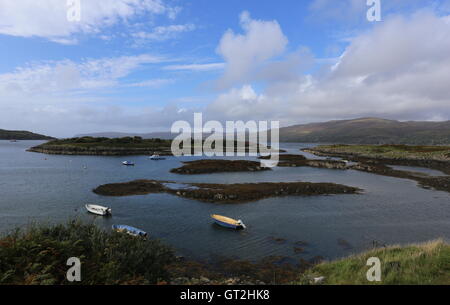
(369, 131)
(21, 135)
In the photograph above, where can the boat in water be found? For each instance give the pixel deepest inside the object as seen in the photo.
(228, 222)
(128, 163)
(129, 230)
(98, 210)
(156, 157)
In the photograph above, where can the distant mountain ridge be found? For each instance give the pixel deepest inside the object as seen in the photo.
(369, 131)
(153, 135)
(21, 135)
(357, 131)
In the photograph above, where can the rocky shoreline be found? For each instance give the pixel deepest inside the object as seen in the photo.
(98, 151)
(431, 157)
(225, 193)
(379, 166)
(299, 161)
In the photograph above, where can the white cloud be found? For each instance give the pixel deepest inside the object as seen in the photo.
(152, 83)
(400, 69)
(48, 18)
(196, 67)
(59, 76)
(243, 53)
(236, 104)
(164, 32)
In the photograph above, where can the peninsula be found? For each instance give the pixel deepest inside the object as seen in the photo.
(21, 135)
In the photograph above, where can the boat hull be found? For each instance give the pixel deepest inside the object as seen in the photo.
(129, 230)
(98, 210)
(228, 225)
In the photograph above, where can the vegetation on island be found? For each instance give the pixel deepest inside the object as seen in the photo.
(225, 193)
(21, 135)
(299, 161)
(131, 146)
(105, 146)
(218, 166)
(387, 152)
(378, 158)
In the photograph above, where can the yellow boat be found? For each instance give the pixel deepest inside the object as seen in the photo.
(228, 222)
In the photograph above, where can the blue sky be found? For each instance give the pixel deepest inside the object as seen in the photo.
(140, 65)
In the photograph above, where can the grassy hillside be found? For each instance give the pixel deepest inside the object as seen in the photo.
(421, 264)
(21, 135)
(369, 131)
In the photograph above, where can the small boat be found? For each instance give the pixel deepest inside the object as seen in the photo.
(13, 141)
(98, 210)
(129, 230)
(128, 163)
(228, 222)
(156, 157)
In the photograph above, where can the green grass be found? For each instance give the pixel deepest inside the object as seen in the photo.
(38, 256)
(127, 142)
(421, 264)
(391, 151)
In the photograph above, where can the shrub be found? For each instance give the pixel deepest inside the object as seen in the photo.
(38, 256)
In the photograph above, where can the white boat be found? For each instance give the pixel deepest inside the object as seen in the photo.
(98, 210)
(128, 163)
(156, 157)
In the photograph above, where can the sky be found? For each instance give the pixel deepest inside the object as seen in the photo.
(141, 65)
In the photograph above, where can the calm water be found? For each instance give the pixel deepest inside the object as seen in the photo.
(36, 187)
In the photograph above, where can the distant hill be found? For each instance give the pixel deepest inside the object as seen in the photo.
(357, 131)
(113, 135)
(369, 131)
(21, 135)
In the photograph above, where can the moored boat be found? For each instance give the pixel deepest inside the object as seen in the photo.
(98, 210)
(129, 230)
(228, 222)
(156, 157)
(128, 163)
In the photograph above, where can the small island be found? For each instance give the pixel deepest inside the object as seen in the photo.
(225, 193)
(377, 158)
(128, 146)
(105, 146)
(218, 166)
(437, 157)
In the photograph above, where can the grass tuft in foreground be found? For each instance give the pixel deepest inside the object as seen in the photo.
(420, 264)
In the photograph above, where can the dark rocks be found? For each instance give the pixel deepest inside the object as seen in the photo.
(218, 166)
(299, 161)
